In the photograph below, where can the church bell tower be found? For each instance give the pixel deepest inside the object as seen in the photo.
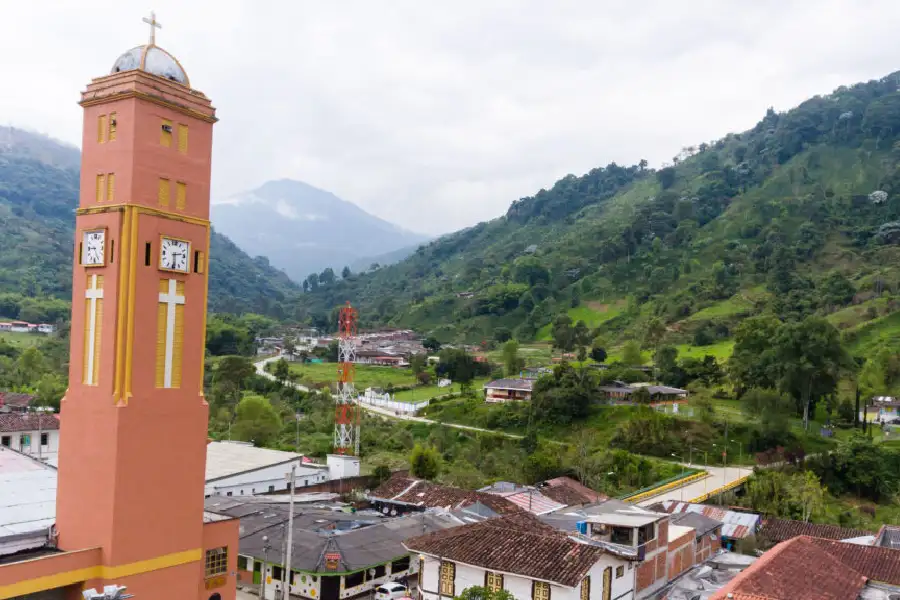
(134, 420)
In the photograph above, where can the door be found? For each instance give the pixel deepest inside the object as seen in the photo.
(331, 587)
(607, 583)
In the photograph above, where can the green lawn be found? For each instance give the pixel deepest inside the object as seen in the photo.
(21, 339)
(592, 313)
(430, 391)
(721, 350)
(365, 375)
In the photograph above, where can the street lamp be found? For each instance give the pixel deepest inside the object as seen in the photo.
(740, 451)
(683, 471)
(705, 462)
(110, 592)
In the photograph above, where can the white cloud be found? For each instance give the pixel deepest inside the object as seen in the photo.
(438, 115)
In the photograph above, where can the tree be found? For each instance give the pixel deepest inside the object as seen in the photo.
(563, 333)
(425, 462)
(417, 363)
(431, 344)
(483, 593)
(381, 472)
(345, 273)
(631, 354)
(256, 421)
(598, 353)
(808, 493)
(281, 370)
(666, 177)
(753, 363)
(512, 362)
(530, 271)
(313, 281)
(666, 362)
(502, 334)
(654, 333)
(326, 277)
(564, 396)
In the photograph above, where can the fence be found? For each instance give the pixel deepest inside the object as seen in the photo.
(386, 401)
(663, 486)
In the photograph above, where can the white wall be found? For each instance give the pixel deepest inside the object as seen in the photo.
(259, 481)
(48, 451)
(520, 587)
(341, 466)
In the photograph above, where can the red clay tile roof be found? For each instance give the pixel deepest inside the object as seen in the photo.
(10, 422)
(798, 569)
(416, 491)
(15, 399)
(569, 492)
(807, 568)
(518, 544)
(779, 530)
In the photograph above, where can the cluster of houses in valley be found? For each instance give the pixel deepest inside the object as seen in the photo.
(25, 327)
(660, 397)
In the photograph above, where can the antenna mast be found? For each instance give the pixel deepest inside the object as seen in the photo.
(346, 417)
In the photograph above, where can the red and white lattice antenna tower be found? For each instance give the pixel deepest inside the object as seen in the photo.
(346, 416)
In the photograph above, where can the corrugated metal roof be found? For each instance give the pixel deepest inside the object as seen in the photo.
(27, 494)
(734, 524)
(230, 458)
(534, 502)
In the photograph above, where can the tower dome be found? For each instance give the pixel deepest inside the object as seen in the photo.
(154, 60)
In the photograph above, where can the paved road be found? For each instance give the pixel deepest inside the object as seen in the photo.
(717, 478)
(717, 475)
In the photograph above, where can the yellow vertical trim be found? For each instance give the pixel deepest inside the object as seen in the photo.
(165, 137)
(132, 283)
(101, 187)
(182, 138)
(111, 187)
(178, 342)
(98, 331)
(163, 192)
(125, 268)
(101, 129)
(202, 349)
(180, 195)
(161, 314)
(112, 126)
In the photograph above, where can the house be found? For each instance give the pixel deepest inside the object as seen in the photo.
(774, 531)
(882, 408)
(505, 390)
(336, 552)
(20, 327)
(399, 495)
(569, 492)
(15, 402)
(27, 502)
(808, 568)
(660, 395)
(525, 497)
(5, 326)
(888, 537)
(241, 469)
(525, 557)
(46, 328)
(707, 534)
(736, 526)
(35, 434)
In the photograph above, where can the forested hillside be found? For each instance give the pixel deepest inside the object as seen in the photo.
(38, 192)
(796, 216)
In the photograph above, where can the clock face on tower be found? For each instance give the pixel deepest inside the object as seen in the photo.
(93, 248)
(173, 254)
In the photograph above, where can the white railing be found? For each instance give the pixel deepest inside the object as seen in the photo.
(387, 402)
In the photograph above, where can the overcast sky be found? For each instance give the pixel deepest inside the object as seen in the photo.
(436, 115)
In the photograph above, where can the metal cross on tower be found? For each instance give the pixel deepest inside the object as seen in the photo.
(346, 417)
(154, 25)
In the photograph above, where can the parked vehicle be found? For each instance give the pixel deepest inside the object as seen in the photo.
(391, 591)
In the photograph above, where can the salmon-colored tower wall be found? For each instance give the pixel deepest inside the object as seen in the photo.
(133, 453)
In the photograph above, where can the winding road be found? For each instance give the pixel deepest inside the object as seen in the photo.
(717, 476)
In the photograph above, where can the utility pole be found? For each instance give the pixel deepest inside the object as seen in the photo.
(265, 567)
(290, 537)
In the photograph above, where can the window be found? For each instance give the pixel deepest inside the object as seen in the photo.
(493, 581)
(45, 439)
(112, 251)
(180, 195)
(6, 440)
(216, 561)
(228, 494)
(586, 588)
(182, 138)
(271, 488)
(621, 535)
(620, 572)
(147, 254)
(112, 127)
(354, 580)
(110, 187)
(101, 187)
(25, 441)
(276, 573)
(540, 590)
(101, 129)
(448, 579)
(165, 133)
(401, 564)
(646, 533)
(242, 563)
(162, 194)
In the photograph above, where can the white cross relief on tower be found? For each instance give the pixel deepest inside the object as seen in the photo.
(171, 299)
(154, 25)
(93, 294)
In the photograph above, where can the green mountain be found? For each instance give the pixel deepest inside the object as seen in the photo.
(38, 192)
(799, 215)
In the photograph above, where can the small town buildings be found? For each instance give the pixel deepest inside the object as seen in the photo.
(35, 434)
(620, 392)
(569, 492)
(399, 495)
(506, 390)
(336, 552)
(527, 498)
(774, 531)
(814, 568)
(15, 402)
(888, 537)
(525, 557)
(241, 469)
(736, 526)
(707, 534)
(25, 327)
(882, 409)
